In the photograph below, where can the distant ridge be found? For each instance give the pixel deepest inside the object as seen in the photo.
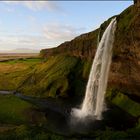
(20, 50)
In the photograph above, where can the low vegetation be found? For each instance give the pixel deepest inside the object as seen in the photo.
(57, 76)
(127, 104)
(12, 110)
(13, 56)
(12, 71)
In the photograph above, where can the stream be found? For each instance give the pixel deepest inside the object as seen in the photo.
(57, 112)
(48, 103)
(51, 108)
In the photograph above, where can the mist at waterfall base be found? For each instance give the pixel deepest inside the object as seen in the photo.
(93, 103)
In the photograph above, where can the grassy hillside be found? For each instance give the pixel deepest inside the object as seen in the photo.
(59, 75)
(12, 72)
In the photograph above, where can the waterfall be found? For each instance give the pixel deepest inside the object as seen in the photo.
(93, 102)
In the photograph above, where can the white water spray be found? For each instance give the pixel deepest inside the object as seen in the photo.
(94, 98)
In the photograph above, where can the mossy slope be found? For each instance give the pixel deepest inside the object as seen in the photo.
(57, 76)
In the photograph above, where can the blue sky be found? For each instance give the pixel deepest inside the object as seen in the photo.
(45, 24)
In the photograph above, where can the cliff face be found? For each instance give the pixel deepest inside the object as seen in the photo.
(136, 1)
(125, 68)
(83, 46)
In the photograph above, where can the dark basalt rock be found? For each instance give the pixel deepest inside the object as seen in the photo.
(136, 1)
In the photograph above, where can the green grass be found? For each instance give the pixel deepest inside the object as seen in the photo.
(125, 19)
(59, 76)
(13, 71)
(24, 132)
(86, 68)
(56, 76)
(13, 110)
(22, 60)
(108, 134)
(127, 104)
(49, 77)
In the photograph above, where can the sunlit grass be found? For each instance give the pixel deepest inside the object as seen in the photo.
(11, 72)
(12, 109)
(127, 104)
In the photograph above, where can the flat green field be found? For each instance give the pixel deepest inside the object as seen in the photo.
(15, 117)
(12, 56)
(13, 110)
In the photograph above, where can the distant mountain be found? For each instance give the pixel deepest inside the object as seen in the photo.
(20, 50)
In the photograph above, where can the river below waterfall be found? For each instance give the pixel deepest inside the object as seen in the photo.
(57, 112)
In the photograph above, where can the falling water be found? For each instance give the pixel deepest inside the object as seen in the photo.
(94, 98)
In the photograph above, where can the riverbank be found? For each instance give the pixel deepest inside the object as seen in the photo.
(28, 114)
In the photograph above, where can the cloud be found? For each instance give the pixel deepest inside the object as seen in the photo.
(51, 36)
(36, 5)
(61, 32)
(13, 42)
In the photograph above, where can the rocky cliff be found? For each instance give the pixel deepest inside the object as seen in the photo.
(125, 68)
(83, 46)
(137, 2)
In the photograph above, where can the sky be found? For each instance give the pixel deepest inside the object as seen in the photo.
(46, 24)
